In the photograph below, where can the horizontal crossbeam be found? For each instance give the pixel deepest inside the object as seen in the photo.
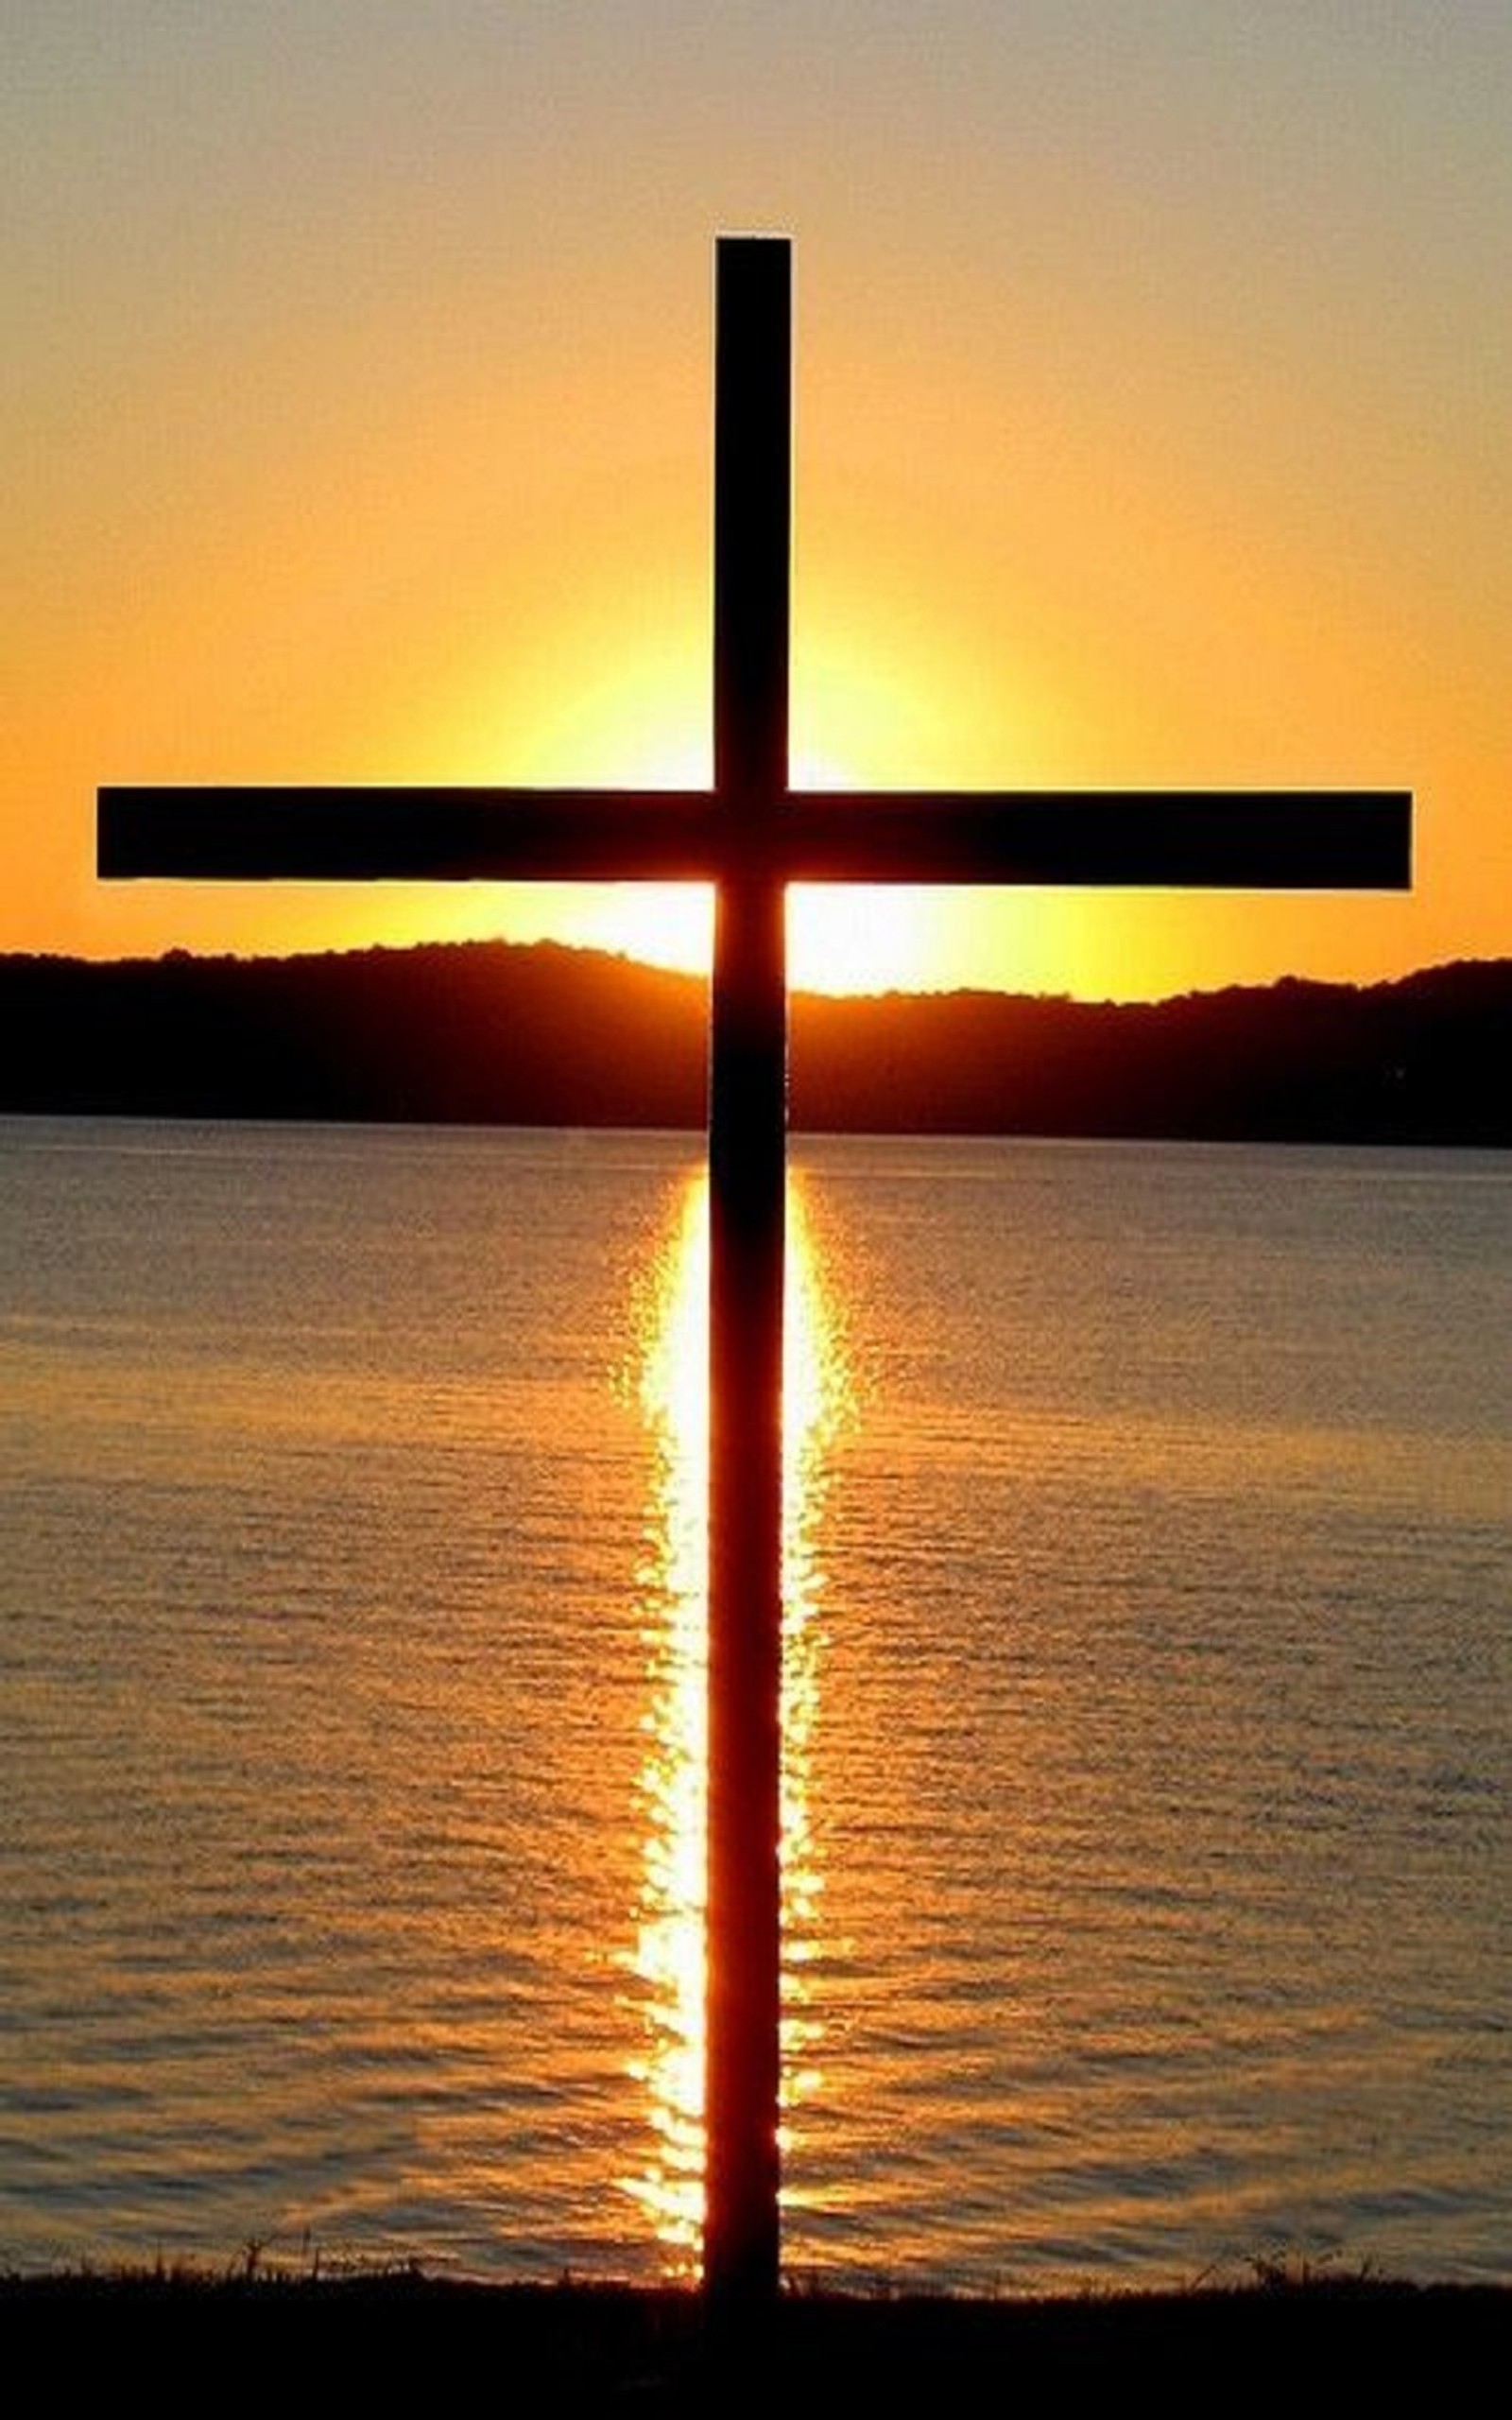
(1217, 839)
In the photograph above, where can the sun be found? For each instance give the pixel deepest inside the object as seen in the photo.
(633, 733)
(869, 713)
(850, 726)
(844, 941)
(840, 939)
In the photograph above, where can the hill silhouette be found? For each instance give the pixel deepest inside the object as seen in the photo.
(497, 1033)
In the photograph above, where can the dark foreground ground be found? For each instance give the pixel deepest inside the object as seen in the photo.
(1317, 2343)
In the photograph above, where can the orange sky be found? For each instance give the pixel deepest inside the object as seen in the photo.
(1153, 391)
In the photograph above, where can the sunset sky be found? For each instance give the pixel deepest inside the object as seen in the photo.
(1154, 400)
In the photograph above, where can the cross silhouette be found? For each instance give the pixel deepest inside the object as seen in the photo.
(751, 835)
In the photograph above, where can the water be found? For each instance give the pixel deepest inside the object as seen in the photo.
(1149, 1805)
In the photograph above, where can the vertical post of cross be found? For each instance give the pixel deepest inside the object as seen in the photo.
(748, 1117)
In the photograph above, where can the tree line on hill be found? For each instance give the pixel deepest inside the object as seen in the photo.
(496, 1033)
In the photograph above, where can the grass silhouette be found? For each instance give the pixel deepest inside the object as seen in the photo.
(1282, 2327)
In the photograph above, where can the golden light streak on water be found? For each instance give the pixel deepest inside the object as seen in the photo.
(668, 1956)
(671, 1584)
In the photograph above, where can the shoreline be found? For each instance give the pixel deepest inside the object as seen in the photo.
(657, 2347)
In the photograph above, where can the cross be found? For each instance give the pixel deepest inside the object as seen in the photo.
(750, 836)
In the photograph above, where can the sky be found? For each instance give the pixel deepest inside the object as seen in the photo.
(1153, 391)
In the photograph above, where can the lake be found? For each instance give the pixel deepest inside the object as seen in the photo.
(1148, 1801)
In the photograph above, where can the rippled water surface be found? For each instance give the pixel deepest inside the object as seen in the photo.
(1149, 1798)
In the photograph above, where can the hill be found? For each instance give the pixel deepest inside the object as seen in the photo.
(492, 1034)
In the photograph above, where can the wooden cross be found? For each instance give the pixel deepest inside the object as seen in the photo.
(750, 836)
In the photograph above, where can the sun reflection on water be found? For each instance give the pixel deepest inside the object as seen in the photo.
(667, 1959)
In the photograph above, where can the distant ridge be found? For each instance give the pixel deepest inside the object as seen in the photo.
(490, 1032)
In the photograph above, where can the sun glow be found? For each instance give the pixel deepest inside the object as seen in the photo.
(668, 1958)
(872, 709)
